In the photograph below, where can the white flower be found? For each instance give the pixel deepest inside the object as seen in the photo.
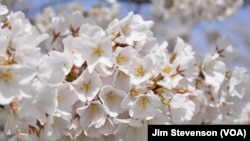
(130, 129)
(13, 80)
(159, 118)
(170, 82)
(121, 81)
(141, 69)
(123, 56)
(134, 27)
(214, 70)
(111, 99)
(39, 106)
(103, 127)
(97, 51)
(104, 70)
(184, 61)
(144, 106)
(87, 85)
(134, 91)
(74, 21)
(22, 32)
(29, 56)
(103, 15)
(181, 108)
(56, 63)
(237, 82)
(91, 31)
(186, 67)
(183, 49)
(66, 97)
(73, 47)
(129, 29)
(113, 29)
(226, 50)
(59, 27)
(150, 46)
(12, 124)
(56, 126)
(90, 114)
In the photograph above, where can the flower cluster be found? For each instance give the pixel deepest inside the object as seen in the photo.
(196, 11)
(84, 82)
(186, 14)
(98, 13)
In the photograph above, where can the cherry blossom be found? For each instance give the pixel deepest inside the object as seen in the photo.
(87, 86)
(71, 77)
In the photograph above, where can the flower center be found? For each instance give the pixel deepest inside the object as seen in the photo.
(86, 87)
(139, 70)
(126, 29)
(60, 98)
(167, 69)
(97, 51)
(111, 97)
(121, 59)
(143, 102)
(131, 128)
(93, 108)
(134, 92)
(6, 75)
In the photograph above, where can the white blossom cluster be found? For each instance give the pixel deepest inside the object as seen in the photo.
(195, 10)
(80, 82)
(99, 14)
(187, 14)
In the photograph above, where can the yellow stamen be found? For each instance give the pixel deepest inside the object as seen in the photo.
(93, 108)
(60, 98)
(72, 51)
(18, 139)
(139, 70)
(6, 75)
(143, 102)
(126, 29)
(134, 92)
(167, 69)
(208, 68)
(111, 97)
(97, 51)
(121, 59)
(131, 128)
(86, 87)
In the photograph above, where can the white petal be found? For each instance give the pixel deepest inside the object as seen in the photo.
(112, 99)
(90, 114)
